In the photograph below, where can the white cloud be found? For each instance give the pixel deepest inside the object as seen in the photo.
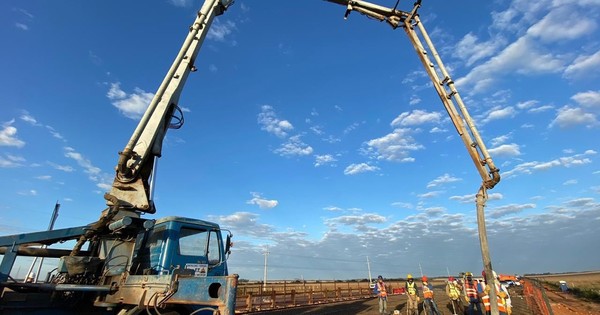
(505, 150)
(500, 113)
(354, 169)
(416, 117)
(294, 146)
(581, 66)
(570, 182)
(395, 146)
(471, 50)
(8, 136)
(321, 160)
(10, 161)
(444, 179)
(502, 211)
(500, 139)
(526, 104)
(549, 31)
(219, 30)
(270, 123)
(569, 116)
(131, 105)
(567, 161)
(588, 99)
(181, 3)
(261, 202)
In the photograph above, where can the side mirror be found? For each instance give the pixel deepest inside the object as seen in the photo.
(228, 244)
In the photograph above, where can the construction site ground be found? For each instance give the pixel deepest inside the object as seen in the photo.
(562, 304)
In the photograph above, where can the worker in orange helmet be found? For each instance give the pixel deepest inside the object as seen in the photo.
(429, 303)
(412, 295)
(453, 291)
(381, 292)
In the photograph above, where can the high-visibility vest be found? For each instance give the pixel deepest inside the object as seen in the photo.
(381, 290)
(427, 293)
(501, 302)
(470, 289)
(453, 291)
(411, 288)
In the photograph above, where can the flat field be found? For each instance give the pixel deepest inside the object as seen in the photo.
(582, 280)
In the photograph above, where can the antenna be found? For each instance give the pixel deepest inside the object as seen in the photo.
(266, 253)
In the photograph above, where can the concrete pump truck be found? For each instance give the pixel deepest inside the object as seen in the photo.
(178, 265)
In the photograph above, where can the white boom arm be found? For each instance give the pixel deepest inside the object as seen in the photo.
(448, 94)
(131, 188)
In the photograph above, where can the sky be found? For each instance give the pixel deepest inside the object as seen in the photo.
(315, 139)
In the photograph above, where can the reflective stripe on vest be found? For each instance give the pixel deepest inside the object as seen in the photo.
(501, 302)
(470, 289)
(411, 288)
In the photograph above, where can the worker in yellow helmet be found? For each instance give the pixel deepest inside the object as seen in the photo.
(412, 295)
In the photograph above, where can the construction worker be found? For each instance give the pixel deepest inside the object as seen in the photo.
(453, 289)
(471, 296)
(412, 294)
(428, 302)
(501, 296)
(381, 292)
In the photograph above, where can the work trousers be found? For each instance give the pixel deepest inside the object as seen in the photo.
(431, 307)
(412, 304)
(474, 307)
(383, 305)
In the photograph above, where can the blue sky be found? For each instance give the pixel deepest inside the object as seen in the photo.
(316, 137)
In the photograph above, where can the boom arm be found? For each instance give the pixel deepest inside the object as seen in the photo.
(448, 94)
(131, 186)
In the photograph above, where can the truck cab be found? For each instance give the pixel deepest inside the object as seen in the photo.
(184, 243)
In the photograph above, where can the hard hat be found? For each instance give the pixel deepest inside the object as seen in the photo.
(450, 278)
(380, 277)
(424, 278)
(409, 276)
(468, 274)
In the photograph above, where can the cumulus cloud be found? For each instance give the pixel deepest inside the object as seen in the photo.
(272, 124)
(8, 135)
(325, 159)
(441, 180)
(568, 116)
(220, 30)
(505, 150)
(589, 99)
(416, 117)
(500, 113)
(131, 105)
(566, 161)
(354, 169)
(10, 161)
(579, 68)
(102, 180)
(262, 203)
(395, 146)
(502, 211)
(294, 147)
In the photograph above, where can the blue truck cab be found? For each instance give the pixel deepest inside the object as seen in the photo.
(195, 246)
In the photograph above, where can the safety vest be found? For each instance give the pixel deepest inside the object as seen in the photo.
(453, 292)
(381, 290)
(411, 288)
(501, 301)
(427, 293)
(470, 289)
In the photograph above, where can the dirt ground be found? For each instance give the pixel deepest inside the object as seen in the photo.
(567, 304)
(562, 304)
